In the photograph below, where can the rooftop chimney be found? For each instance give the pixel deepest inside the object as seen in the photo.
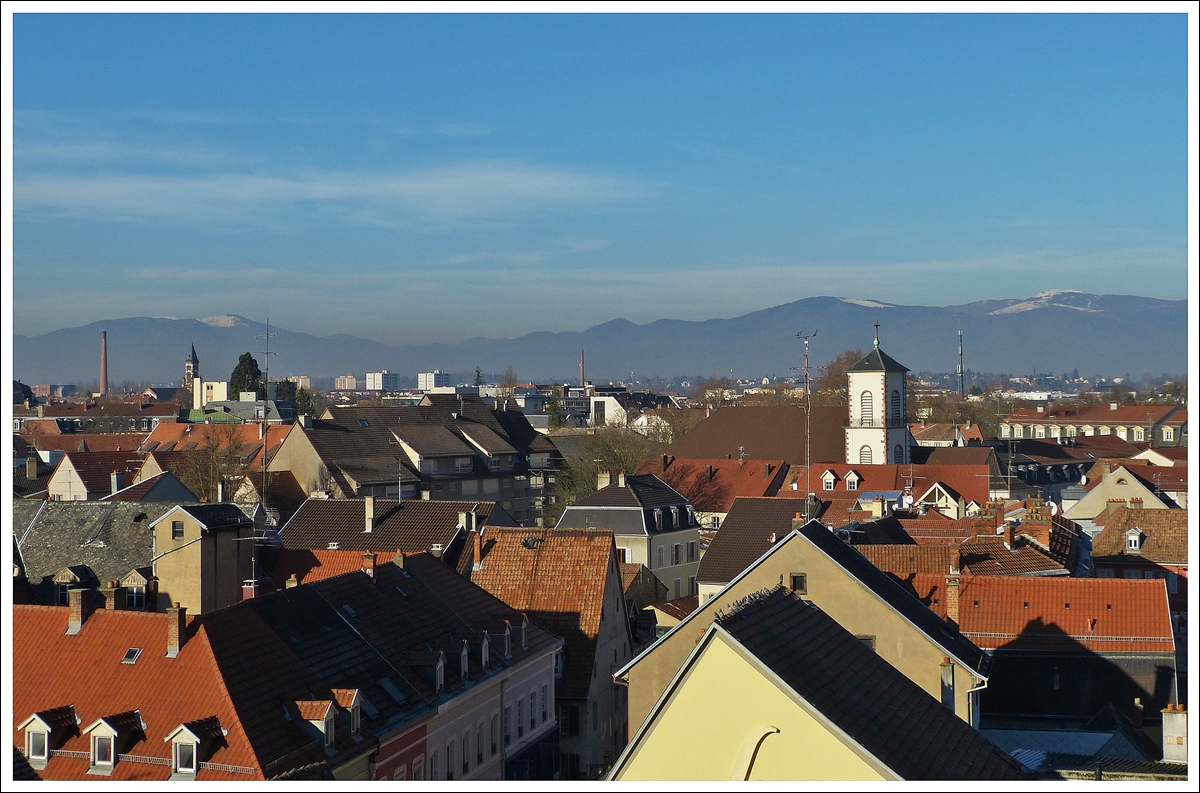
(767, 470)
(114, 596)
(708, 473)
(1175, 733)
(1139, 713)
(478, 536)
(1112, 405)
(603, 479)
(41, 411)
(176, 629)
(292, 582)
(368, 514)
(1113, 505)
(878, 507)
(955, 559)
(80, 606)
(249, 589)
(952, 583)
(31, 466)
(116, 480)
(1136, 503)
(368, 564)
(103, 363)
(621, 479)
(664, 461)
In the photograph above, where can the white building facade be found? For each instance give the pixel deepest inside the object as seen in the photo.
(878, 430)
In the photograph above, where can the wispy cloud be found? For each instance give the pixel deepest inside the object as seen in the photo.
(480, 189)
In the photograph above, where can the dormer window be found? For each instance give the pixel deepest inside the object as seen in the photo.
(184, 757)
(463, 661)
(507, 640)
(36, 745)
(329, 729)
(439, 674)
(102, 751)
(828, 480)
(1133, 540)
(483, 651)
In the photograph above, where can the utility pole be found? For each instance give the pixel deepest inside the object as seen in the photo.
(807, 428)
(962, 388)
(266, 353)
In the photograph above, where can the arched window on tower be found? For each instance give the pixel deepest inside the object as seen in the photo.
(898, 454)
(866, 410)
(864, 455)
(896, 417)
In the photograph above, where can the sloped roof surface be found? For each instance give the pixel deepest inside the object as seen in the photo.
(87, 672)
(908, 558)
(1031, 612)
(433, 441)
(640, 490)
(413, 525)
(1098, 414)
(216, 515)
(679, 608)
(558, 576)
(91, 442)
(150, 488)
(111, 538)
(729, 479)
(744, 536)
(314, 565)
(878, 361)
(1164, 536)
(246, 436)
(766, 433)
(889, 715)
(95, 469)
(889, 591)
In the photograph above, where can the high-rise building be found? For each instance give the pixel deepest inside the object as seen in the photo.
(427, 381)
(383, 381)
(346, 382)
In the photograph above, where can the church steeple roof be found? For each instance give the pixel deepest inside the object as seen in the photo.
(194, 358)
(878, 361)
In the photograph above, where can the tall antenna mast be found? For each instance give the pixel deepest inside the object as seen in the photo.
(808, 428)
(266, 353)
(962, 388)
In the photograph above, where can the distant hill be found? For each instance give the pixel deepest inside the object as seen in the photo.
(1054, 331)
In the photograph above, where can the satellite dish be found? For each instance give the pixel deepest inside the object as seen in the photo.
(1083, 479)
(1053, 509)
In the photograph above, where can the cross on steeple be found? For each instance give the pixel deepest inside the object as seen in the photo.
(877, 334)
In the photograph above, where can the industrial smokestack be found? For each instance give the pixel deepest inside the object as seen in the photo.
(103, 363)
(581, 368)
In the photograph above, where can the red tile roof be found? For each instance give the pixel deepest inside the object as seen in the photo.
(929, 433)
(95, 469)
(765, 433)
(558, 577)
(89, 442)
(1098, 415)
(679, 608)
(968, 479)
(51, 669)
(1047, 613)
(246, 435)
(316, 565)
(729, 479)
(1164, 537)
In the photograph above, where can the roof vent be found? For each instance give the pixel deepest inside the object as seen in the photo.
(346, 608)
(333, 546)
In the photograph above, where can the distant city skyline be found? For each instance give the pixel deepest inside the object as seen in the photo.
(419, 178)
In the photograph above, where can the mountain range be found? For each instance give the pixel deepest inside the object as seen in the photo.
(1054, 331)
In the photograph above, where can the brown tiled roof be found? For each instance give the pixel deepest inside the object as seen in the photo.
(766, 433)
(969, 477)
(908, 558)
(86, 672)
(111, 408)
(433, 441)
(990, 556)
(313, 709)
(283, 492)
(729, 479)
(1032, 612)
(412, 525)
(558, 577)
(866, 697)
(316, 565)
(1164, 537)
(744, 536)
(947, 432)
(96, 468)
(245, 435)
(629, 572)
(90, 442)
(679, 608)
(1097, 415)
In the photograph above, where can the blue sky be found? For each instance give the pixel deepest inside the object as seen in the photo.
(416, 178)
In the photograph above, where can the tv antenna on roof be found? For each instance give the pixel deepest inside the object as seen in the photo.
(266, 353)
(808, 421)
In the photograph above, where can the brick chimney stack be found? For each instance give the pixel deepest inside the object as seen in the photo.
(114, 596)
(176, 629)
(79, 607)
(952, 586)
(603, 479)
(31, 466)
(368, 563)
(103, 363)
(478, 536)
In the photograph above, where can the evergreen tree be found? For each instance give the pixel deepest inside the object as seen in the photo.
(554, 408)
(285, 392)
(478, 377)
(246, 376)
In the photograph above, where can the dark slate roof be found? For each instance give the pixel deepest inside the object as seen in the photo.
(766, 433)
(745, 535)
(875, 704)
(110, 538)
(433, 441)
(878, 361)
(640, 490)
(22, 771)
(414, 525)
(888, 590)
(485, 437)
(217, 515)
(24, 487)
(163, 486)
(367, 454)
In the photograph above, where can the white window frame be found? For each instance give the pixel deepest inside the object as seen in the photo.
(178, 764)
(329, 730)
(852, 484)
(96, 762)
(29, 751)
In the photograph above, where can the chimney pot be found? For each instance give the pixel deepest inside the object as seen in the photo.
(664, 462)
(368, 563)
(31, 466)
(603, 479)
(478, 561)
(249, 589)
(952, 585)
(114, 596)
(176, 629)
(291, 582)
(708, 472)
(369, 514)
(621, 479)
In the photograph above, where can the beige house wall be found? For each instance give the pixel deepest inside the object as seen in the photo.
(1110, 487)
(298, 455)
(724, 690)
(203, 571)
(835, 592)
(65, 484)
